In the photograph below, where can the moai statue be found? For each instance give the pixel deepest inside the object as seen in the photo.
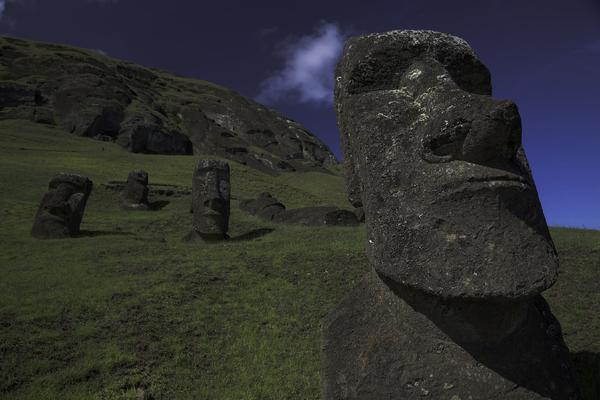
(62, 207)
(135, 195)
(265, 206)
(210, 200)
(457, 239)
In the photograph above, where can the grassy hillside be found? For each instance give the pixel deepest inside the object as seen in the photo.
(129, 311)
(147, 110)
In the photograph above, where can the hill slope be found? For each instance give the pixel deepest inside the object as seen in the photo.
(146, 110)
(128, 311)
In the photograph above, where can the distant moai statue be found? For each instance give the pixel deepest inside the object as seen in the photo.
(61, 209)
(210, 200)
(135, 194)
(457, 239)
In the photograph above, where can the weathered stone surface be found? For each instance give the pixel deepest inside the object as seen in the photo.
(135, 194)
(385, 343)
(149, 111)
(449, 199)
(457, 239)
(61, 210)
(210, 200)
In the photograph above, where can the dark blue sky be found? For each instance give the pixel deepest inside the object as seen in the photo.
(544, 55)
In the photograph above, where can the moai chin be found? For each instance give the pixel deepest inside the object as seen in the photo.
(457, 238)
(210, 200)
(135, 194)
(61, 209)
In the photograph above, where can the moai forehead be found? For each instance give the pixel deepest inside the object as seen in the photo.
(438, 165)
(212, 176)
(77, 182)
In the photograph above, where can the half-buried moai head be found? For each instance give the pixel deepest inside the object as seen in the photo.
(135, 195)
(210, 199)
(451, 207)
(61, 210)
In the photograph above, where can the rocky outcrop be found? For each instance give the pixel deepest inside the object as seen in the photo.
(146, 110)
(61, 209)
(456, 236)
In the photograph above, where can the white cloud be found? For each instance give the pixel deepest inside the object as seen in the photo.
(307, 73)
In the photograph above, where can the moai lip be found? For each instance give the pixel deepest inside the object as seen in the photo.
(61, 209)
(210, 199)
(437, 163)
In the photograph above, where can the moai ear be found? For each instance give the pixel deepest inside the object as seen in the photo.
(353, 183)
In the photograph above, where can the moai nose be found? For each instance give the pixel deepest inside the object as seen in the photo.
(495, 135)
(490, 134)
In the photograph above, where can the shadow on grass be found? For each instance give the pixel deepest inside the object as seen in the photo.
(587, 365)
(158, 205)
(102, 233)
(253, 234)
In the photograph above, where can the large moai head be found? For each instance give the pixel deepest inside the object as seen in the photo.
(61, 210)
(437, 163)
(210, 199)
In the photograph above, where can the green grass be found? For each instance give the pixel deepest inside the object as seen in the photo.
(129, 311)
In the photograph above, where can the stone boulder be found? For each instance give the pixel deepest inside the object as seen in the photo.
(61, 210)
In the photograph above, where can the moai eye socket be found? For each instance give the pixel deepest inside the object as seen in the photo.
(381, 71)
(466, 71)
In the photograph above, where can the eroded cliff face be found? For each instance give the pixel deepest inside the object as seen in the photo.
(146, 110)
